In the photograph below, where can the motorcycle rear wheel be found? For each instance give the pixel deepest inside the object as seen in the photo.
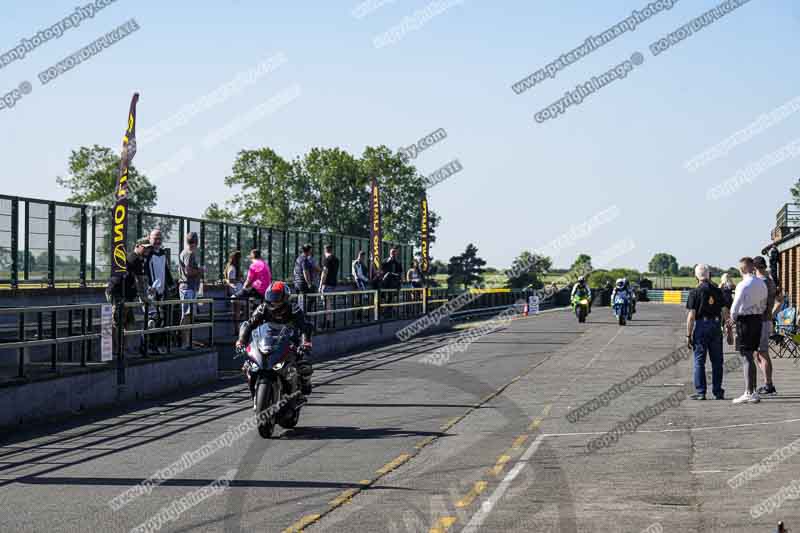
(290, 421)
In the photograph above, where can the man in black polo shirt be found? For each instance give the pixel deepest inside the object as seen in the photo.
(704, 333)
(327, 281)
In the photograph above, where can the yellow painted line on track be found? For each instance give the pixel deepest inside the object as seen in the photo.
(344, 497)
(424, 442)
(452, 422)
(476, 491)
(443, 524)
(539, 419)
(497, 469)
(391, 465)
(303, 522)
(518, 442)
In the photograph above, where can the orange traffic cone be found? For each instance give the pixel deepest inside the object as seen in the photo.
(525, 310)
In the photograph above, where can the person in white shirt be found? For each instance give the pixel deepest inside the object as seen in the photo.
(747, 310)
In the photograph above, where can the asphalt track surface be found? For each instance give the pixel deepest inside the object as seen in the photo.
(389, 443)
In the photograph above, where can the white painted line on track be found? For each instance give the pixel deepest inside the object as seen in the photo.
(486, 507)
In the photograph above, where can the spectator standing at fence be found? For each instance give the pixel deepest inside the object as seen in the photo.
(233, 283)
(359, 271)
(747, 311)
(704, 333)
(327, 279)
(160, 282)
(190, 274)
(764, 362)
(135, 285)
(259, 276)
(391, 271)
(303, 275)
(391, 277)
(414, 275)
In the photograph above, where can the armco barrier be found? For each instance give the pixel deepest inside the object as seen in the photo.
(667, 296)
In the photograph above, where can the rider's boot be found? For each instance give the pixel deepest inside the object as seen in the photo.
(305, 370)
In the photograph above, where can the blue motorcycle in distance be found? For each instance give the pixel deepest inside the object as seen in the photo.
(622, 307)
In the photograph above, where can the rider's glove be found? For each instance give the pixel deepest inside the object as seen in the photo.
(240, 348)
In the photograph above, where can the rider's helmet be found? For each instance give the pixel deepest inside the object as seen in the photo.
(581, 280)
(620, 283)
(277, 298)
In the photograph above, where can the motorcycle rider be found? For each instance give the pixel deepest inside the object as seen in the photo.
(581, 288)
(623, 288)
(276, 308)
(631, 294)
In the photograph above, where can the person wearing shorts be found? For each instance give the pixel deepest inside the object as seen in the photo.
(747, 313)
(762, 356)
(189, 276)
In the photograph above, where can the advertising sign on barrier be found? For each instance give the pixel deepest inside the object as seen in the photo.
(106, 333)
(533, 304)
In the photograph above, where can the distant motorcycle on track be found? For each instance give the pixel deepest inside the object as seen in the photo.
(580, 304)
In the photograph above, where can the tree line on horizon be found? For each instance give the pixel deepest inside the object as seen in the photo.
(326, 190)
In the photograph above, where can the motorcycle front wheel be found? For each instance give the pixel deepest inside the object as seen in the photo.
(267, 393)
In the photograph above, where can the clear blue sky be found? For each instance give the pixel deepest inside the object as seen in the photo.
(523, 183)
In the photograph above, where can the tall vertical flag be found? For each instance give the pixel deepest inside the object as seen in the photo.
(424, 254)
(375, 230)
(119, 254)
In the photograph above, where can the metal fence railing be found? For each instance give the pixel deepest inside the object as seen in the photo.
(788, 216)
(48, 244)
(49, 339)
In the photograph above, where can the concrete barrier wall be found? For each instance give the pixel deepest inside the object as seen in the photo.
(344, 342)
(57, 397)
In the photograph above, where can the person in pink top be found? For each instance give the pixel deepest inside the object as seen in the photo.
(259, 276)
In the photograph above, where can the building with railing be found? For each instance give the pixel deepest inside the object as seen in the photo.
(60, 244)
(786, 238)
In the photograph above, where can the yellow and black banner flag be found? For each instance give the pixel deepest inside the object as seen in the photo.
(119, 218)
(375, 233)
(424, 254)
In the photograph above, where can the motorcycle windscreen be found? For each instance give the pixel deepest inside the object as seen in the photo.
(274, 342)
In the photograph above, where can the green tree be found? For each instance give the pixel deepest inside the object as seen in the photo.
(215, 212)
(663, 264)
(437, 266)
(527, 270)
(267, 185)
(600, 277)
(93, 175)
(327, 190)
(465, 269)
(686, 271)
(582, 262)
